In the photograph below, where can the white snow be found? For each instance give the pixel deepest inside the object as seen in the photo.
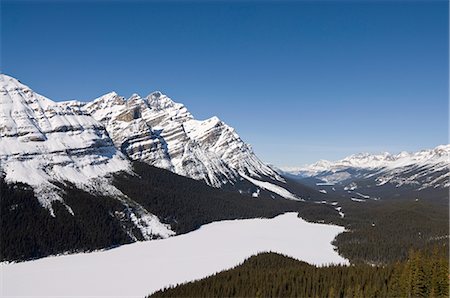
(163, 133)
(140, 268)
(272, 187)
(357, 200)
(42, 141)
(351, 186)
(339, 209)
(363, 196)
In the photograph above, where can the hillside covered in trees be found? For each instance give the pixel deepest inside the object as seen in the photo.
(384, 231)
(28, 231)
(186, 204)
(423, 274)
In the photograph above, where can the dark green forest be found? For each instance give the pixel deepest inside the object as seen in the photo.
(187, 204)
(28, 231)
(384, 231)
(422, 274)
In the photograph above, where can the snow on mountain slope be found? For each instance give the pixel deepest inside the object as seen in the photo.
(163, 133)
(82, 142)
(44, 144)
(420, 170)
(272, 187)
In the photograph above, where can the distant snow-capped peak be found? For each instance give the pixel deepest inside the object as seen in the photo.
(423, 169)
(440, 154)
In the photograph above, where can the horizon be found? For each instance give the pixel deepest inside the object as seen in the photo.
(328, 80)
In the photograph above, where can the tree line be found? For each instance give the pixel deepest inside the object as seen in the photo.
(422, 274)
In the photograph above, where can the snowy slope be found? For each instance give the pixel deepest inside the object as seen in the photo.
(272, 187)
(44, 144)
(156, 130)
(82, 143)
(426, 169)
(139, 269)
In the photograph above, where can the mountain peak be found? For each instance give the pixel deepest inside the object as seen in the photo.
(110, 94)
(155, 95)
(134, 96)
(161, 101)
(8, 82)
(374, 161)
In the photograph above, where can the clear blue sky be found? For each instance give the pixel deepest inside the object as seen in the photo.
(300, 81)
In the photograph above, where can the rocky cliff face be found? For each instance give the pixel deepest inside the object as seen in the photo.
(163, 133)
(43, 142)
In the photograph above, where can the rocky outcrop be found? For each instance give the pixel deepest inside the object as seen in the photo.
(163, 133)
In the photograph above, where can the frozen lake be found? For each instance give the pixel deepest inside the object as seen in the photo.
(141, 268)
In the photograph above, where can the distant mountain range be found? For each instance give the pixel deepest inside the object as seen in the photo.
(373, 176)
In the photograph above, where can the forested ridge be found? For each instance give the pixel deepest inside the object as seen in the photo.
(423, 274)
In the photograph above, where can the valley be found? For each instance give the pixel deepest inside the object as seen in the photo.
(136, 269)
(116, 190)
(224, 149)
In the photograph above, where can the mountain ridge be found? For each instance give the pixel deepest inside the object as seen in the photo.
(373, 161)
(363, 176)
(171, 138)
(100, 137)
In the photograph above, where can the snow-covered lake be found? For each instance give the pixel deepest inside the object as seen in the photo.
(141, 268)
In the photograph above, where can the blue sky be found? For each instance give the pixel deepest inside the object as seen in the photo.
(300, 81)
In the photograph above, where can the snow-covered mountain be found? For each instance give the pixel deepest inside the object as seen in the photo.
(83, 176)
(48, 145)
(43, 142)
(426, 169)
(160, 132)
(77, 160)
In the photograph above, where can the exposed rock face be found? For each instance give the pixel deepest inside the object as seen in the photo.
(46, 142)
(163, 133)
(42, 141)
